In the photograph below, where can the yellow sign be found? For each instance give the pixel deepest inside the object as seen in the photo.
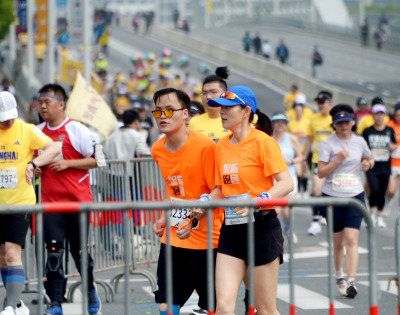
(87, 106)
(209, 6)
(42, 20)
(69, 69)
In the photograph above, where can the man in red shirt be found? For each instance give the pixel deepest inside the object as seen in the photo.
(65, 179)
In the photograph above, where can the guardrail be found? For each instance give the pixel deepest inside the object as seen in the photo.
(84, 208)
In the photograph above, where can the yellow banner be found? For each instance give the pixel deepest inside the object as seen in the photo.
(69, 69)
(209, 6)
(87, 106)
(42, 21)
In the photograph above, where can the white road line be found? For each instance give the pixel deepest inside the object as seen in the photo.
(386, 93)
(371, 87)
(382, 284)
(307, 299)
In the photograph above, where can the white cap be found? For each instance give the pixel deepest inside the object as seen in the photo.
(8, 106)
(300, 99)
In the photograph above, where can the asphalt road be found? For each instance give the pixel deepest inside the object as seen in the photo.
(363, 70)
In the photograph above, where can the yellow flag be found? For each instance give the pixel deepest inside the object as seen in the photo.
(87, 106)
(69, 69)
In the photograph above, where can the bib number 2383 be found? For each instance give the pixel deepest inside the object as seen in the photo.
(176, 215)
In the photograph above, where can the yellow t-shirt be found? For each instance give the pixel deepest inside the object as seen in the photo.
(307, 113)
(210, 127)
(367, 121)
(300, 129)
(289, 98)
(17, 145)
(320, 129)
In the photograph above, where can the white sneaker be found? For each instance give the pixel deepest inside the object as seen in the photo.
(22, 309)
(8, 311)
(387, 207)
(380, 223)
(314, 229)
(373, 217)
(341, 285)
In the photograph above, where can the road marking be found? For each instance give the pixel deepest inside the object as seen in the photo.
(386, 93)
(371, 87)
(382, 284)
(307, 299)
(360, 82)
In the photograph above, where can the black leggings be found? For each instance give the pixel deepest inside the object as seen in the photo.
(58, 227)
(378, 184)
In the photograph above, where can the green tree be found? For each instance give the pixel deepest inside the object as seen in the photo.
(6, 17)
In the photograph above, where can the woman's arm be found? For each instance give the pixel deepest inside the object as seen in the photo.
(283, 186)
(325, 169)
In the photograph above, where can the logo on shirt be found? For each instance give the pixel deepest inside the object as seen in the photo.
(230, 174)
(9, 156)
(17, 143)
(176, 183)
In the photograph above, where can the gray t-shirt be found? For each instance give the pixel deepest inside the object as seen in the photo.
(345, 180)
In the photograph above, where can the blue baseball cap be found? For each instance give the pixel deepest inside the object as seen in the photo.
(280, 117)
(236, 95)
(342, 117)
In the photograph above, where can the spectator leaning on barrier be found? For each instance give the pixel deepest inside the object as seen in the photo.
(186, 160)
(381, 140)
(339, 162)
(18, 141)
(247, 164)
(209, 123)
(65, 179)
(320, 130)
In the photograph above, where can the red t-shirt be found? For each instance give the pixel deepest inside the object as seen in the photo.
(76, 142)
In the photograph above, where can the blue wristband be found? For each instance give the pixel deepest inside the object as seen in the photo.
(263, 195)
(204, 197)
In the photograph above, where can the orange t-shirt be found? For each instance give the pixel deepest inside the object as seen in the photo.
(189, 173)
(248, 167)
(396, 153)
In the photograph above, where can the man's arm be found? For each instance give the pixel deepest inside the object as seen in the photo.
(82, 164)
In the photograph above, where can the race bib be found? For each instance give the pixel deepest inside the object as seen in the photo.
(231, 218)
(176, 215)
(8, 178)
(396, 154)
(380, 154)
(346, 183)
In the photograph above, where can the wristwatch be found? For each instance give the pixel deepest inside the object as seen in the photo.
(33, 164)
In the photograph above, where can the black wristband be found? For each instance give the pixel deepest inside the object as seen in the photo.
(33, 164)
(195, 222)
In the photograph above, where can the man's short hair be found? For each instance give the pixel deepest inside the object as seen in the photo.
(57, 89)
(182, 96)
(129, 116)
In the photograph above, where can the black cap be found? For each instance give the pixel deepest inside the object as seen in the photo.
(377, 100)
(323, 95)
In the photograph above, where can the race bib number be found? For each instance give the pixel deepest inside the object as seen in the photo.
(396, 154)
(380, 154)
(231, 218)
(346, 183)
(8, 178)
(176, 215)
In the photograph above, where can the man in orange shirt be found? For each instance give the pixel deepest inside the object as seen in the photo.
(186, 160)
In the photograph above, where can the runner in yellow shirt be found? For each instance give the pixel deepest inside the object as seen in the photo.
(209, 123)
(18, 141)
(320, 130)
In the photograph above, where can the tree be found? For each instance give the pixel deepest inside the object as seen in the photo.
(6, 17)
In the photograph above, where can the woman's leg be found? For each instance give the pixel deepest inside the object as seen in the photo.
(338, 250)
(229, 273)
(266, 287)
(350, 240)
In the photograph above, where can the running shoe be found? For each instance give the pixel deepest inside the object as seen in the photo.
(314, 229)
(22, 309)
(379, 222)
(8, 311)
(200, 311)
(351, 291)
(322, 220)
(341, 285)
(54, 309)
(94, 304)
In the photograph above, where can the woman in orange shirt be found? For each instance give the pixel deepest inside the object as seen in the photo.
(247, 163)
